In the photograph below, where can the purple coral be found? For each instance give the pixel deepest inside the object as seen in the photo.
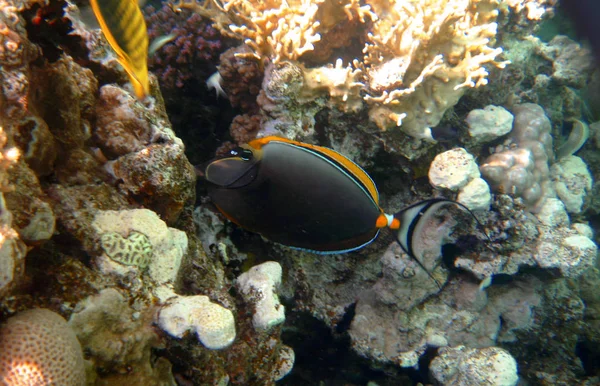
(192, 55)
(242, 77)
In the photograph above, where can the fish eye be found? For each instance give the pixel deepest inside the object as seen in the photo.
(246, 154)
(235, 152)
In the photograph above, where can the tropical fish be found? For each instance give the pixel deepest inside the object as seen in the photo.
(214, 81)
(309, 197)
(123, 25)
(159, 42)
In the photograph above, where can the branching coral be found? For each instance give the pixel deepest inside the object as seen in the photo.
(418, 57)
(277, 29)
(421, 56)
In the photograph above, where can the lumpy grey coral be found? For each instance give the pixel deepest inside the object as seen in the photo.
(522, 165)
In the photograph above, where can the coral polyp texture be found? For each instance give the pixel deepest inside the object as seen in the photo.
(39, 348)
(416, 60)
(193, 43)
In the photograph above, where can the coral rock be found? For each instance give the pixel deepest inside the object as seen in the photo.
(121, 126)
(213, 324)
(475, 195)
(39, 348)
(33, 216)
(571, 256)
(257, 286)
(553, 213)
(572, 182)
(117, 333)
(65, 96)
(488, 124)
(453, 169)
(286, 362)
(139, 238)
(12, 255)
(37, 143)
(160, 176)
(461, 366)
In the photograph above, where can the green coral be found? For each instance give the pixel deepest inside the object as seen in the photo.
(134, 250)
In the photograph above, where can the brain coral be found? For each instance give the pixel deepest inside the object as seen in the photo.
(39, 348)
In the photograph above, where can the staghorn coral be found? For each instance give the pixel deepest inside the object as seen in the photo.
(422, 56)
(279, 30)
(418, 57)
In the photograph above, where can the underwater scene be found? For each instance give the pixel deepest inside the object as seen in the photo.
(299, 192)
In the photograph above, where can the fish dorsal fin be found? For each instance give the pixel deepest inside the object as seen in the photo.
(345, 164)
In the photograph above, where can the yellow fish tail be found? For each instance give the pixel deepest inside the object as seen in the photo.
(124, 27)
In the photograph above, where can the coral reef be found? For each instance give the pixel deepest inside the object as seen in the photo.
(416, 60)
(101, 223)
(96, 196)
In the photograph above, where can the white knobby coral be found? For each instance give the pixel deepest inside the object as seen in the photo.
(213, 324)
(257, 286)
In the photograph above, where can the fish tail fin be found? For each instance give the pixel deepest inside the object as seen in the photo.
(408, 225)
